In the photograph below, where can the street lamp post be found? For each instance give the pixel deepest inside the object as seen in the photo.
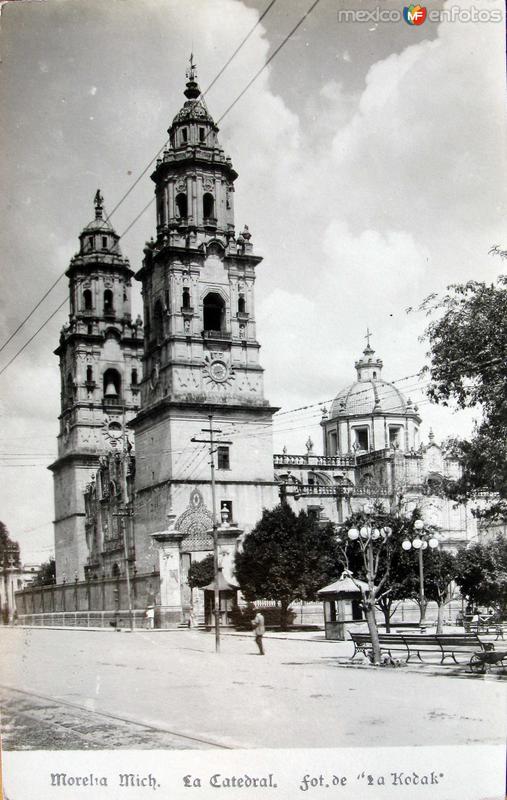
(369, 536)
(421, 541)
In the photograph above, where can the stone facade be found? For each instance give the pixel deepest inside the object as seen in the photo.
(100, 366)
(201, 356)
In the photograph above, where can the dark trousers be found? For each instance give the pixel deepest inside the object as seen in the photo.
(258, 640)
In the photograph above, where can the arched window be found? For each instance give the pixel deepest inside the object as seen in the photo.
(184, 135)
(158, 321)
(133, 377)
(115, 571)
(108, 302)
(208, 206)
(112, 384)
(181, 205)
(89, 374)
(186, 297)
(87, 299)
(241, 304)
(213, 312)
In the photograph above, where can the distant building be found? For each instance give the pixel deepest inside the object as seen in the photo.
(372, 452)
(13, 578)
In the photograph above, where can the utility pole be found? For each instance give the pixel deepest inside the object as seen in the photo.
(212, 442)
(124, 516)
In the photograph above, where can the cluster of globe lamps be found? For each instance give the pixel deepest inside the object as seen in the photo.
(366, 532)
(419, 541)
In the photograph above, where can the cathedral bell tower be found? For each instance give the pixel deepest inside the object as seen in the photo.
(100, 368)
(201, 352)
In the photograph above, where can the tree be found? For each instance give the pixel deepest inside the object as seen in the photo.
(371, 549)
(286, 558)
(482, 573)
(46, 574)
(396, 562)
(201, 573)
(440, 570)
(9, 550)
(468, 353)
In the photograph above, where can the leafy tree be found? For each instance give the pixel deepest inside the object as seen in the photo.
(399, 565)
(201, 573)
(9, 550)
(46, 574)
(440, 571)
(286, 558)
(482, 573)
(371, 556)
(468, 352)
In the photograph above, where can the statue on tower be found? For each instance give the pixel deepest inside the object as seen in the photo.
(99, 204)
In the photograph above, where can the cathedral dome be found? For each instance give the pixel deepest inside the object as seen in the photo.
(99, 226)
(365, 397)
(193, 111)
(99, 234)
(369, 394)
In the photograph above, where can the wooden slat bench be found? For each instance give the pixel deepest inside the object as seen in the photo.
(416, 645)
(464, 644)
(389, 643)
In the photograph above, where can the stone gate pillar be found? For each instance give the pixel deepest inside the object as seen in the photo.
(170, 576)
(228, 536)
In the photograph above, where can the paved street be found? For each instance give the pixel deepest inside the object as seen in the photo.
(83, 689)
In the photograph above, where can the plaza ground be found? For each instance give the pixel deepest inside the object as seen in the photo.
(87, 688)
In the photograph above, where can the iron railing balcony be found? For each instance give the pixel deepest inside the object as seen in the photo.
(217, 335)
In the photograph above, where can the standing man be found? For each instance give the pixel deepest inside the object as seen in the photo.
(259, 630)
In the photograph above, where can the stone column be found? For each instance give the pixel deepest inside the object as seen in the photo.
(190, 201)
(168, 543)
(170, 201)
(228, 536)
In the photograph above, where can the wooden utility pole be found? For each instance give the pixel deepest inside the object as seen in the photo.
(212, 442)
(124, 517)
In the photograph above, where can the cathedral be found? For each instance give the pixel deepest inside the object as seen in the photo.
(140, 400)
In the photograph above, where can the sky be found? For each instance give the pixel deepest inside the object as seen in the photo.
(371, 169)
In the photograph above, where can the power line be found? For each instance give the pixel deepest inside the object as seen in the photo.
(272, 56)
(34, 309)
(14, 357)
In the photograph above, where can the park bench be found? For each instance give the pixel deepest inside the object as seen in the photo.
(416, 645)
(389, 643)
(496, 629)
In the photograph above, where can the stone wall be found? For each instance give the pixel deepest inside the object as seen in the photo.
(93, 602)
